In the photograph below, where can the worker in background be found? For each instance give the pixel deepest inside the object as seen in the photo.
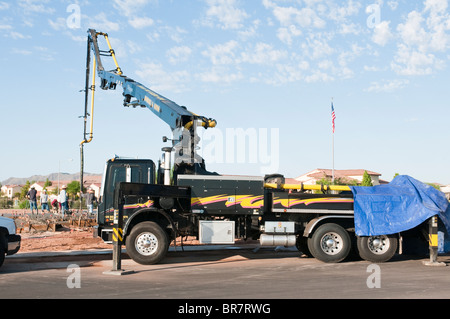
(90, 199)
(44, 201)
(63, 200)
(32, 198)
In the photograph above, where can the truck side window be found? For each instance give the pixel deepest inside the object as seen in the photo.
(117, 173)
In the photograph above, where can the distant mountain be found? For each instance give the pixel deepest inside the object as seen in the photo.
(43, 178)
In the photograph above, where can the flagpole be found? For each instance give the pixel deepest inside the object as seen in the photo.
(333, 117)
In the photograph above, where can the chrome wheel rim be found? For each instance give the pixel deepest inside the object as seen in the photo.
(146, 244)
(378, 245)
(331, 243)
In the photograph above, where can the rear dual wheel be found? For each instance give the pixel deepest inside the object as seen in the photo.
(377, 249)
(331, 243)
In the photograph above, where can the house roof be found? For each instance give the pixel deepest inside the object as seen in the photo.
(321, 172)
(12, 185)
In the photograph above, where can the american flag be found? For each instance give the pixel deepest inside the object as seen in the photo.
(333, 117)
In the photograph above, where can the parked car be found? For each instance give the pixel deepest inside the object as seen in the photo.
(9, 240)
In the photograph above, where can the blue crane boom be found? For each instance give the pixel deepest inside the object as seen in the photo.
(136, 94)
(181, 121)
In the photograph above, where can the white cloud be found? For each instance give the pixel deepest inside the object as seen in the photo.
(133, 47)
(36, 6)
(5, 27)
(222, 53)
(129, 8)
(21, 51)
(387, 86)
(179, 54)
(287, 16)
(162, 80)
(132, 9)
(412, 32)
(317, 47)
(349, 28)
(318, 76)
(286, 35)
(58, 25)
(226, 12)
(408, 61)
(250, 31)
(423, 35)
(220, 74)
(141, 22)
(17, 35)
(436, 6)
(4, 5)
(101, 23)
(262, 53)
(393, 5)
(342, 12)
(287, 73)
(382, 33)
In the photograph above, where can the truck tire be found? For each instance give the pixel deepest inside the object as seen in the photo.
(147, 243)
(377, 249)
(330, 243)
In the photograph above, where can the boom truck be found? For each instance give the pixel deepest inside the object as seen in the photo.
(157, 208)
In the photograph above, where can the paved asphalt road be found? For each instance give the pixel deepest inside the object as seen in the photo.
(236, 274)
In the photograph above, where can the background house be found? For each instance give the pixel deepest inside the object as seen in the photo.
(346, 175)
(10, 190)
(39, 186)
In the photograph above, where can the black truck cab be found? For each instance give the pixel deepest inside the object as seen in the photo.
(119, 170)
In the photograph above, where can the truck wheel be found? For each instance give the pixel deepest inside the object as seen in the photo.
(147, 243)
(377, 249)
(330, 243)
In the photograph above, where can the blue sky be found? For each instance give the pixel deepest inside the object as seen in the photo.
(251, 65)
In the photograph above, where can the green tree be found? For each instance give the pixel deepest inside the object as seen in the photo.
(366, 181)
(47, 183)
(73, 188)
(435, 186)
(24, 190)
(337, 181)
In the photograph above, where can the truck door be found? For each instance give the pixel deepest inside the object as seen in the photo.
(121, 171)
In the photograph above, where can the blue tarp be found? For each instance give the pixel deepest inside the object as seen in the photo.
(398, 206)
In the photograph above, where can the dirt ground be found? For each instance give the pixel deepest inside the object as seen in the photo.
(64, 240)
(69, 240)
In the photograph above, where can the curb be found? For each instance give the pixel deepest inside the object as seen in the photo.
(109, 251)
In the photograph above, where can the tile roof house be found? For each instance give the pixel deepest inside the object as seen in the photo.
(345, 175)
(11, 190)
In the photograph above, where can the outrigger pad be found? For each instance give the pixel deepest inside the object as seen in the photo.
(398, 206)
